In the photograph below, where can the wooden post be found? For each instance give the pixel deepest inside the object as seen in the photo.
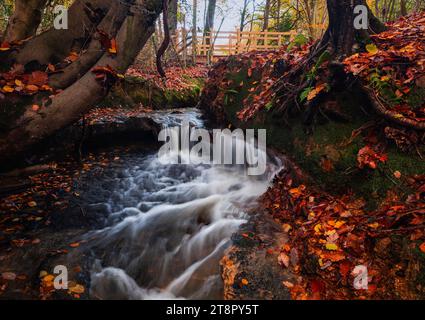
(293, 35)
(238, 41)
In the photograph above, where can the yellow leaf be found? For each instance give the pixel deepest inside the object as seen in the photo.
(18, 83)
(374, 225)
(331, 246)
(339, 224)
(318, 228)
(372, 49)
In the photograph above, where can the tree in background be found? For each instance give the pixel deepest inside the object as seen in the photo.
(209, 18)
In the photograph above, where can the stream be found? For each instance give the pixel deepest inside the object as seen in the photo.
(167, 225)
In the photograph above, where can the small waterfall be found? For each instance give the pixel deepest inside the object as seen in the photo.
(169, 224)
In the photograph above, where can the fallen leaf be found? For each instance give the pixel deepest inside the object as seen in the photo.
(78, 289)
(32, 204)
(397, 174)
(8, 276)
(422, 247)
(372, 49)
(8, 89)
(331, 246)
(283, 259)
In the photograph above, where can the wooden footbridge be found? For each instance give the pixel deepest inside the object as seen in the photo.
(208, 46)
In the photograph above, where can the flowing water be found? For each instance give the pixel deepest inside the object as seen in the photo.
(168, 225)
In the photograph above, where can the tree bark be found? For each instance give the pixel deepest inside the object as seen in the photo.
(25, 19)
(172, 16)
(403, 8)
(194, 29)
(110, 25)
(266, 15)
(69, 105)
(209, 21)
(54, 46)
(341, 36)
(243, 15)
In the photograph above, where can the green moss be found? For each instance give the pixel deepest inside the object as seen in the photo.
(329, 140)
(135, 90)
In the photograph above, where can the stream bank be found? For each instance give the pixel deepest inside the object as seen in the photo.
(331, 155)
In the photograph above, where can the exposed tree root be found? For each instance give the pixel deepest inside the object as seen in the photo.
(391, 115)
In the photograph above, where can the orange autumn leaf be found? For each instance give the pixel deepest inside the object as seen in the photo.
(113, 48)
(4, 46)
(32, 87)
(8, 89)
(313, 93)
(73, 56)
(38, 78)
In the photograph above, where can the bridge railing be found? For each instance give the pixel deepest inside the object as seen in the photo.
(224, 43)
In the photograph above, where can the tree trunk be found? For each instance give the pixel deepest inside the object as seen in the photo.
(69, 105)
(243, 14)
(110, 24)
(266, 15)
(194, 29)
(172, 16)
(209, 21)
(403, 8)
(54, 46)
(25, 19)
(341, 36)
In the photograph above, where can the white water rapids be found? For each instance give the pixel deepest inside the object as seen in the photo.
(168, 226)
